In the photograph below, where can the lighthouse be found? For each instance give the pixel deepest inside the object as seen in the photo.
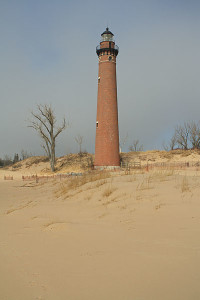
(107, 132)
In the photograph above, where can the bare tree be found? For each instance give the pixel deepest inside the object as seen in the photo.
(194, 134)
(122, 142)
(136, 146)
(25, 154)
(79, 140)
(165, 146)
(182, 135)
(171, 144)
(44, 122)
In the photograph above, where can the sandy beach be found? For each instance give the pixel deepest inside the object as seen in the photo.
(101, 236)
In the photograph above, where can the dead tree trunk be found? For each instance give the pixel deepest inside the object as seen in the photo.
(44, 122)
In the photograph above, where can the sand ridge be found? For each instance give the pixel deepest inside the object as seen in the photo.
(83, 162)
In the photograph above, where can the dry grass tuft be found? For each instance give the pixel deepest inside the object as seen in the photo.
(78, 181)
(158, 206)
(162, 175)
(146, 184)
(100, 183)
(75, 183)
(108, 191)
(185, 185)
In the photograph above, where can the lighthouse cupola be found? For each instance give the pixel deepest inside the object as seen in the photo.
(107, 44)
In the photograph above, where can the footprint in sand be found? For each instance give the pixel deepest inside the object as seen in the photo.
(56, 227)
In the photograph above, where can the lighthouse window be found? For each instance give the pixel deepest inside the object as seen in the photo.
(97, 124)
(110, 58)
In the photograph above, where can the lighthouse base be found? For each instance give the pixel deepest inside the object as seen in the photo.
(106, 167)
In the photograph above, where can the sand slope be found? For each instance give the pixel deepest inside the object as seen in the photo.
(102, 236)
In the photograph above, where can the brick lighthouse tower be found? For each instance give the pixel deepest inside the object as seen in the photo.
(107, 133)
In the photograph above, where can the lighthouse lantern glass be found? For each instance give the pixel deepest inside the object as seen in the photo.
(107, 37)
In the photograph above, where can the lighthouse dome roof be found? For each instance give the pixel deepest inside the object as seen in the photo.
(107, 31)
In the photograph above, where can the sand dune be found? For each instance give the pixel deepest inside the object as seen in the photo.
(81, 163)
(101, 236)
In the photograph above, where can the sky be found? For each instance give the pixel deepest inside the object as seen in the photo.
(48, 56)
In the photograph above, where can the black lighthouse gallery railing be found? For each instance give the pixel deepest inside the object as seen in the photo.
(112, 50)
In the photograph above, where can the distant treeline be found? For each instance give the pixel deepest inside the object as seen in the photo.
(7, 160)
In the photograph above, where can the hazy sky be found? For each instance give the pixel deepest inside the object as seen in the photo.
(48, 56)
